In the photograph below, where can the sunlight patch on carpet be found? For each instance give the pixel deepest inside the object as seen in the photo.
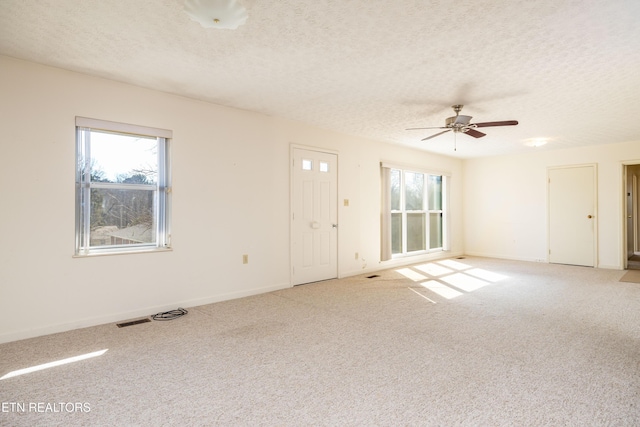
(441, 289)
(53, 364)
(433, 269)
(454, 264)
(464, 282)
(450, 279)
(427, 298)
(489, 276)
(411, 274)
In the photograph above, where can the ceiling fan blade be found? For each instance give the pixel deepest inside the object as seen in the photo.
(437, 127)
(504, 123)
(437, 134)
(474, 133)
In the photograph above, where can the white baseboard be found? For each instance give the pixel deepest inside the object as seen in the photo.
(610, 267)
(143, 312)
(512, 258)
(401, 262)
(507, 257)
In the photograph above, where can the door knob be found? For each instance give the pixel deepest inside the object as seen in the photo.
(334, 225)
(589, 216)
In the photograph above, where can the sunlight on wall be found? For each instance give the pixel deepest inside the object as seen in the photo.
(53, 364)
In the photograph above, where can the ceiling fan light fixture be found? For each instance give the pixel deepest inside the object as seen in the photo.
(222, 14)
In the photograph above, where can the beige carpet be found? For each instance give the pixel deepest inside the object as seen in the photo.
(472, 342)
(632, 276)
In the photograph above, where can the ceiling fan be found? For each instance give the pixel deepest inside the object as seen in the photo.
(460, 123)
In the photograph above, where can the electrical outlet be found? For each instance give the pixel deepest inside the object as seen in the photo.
(357, 255)
(346, 202)
(245, 259)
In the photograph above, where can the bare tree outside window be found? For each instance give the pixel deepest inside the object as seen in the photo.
(122, 197)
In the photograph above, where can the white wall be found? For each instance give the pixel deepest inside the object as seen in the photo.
(505, 202)
(230, 173)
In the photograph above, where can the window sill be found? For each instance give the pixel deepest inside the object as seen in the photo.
(123, 252)
(418, 253)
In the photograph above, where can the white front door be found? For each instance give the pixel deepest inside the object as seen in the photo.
(572, 221)
(314, 216)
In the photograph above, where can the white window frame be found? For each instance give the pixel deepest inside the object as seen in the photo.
(84, 185)
(387, 211)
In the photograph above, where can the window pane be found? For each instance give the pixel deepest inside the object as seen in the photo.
(117, 158)
(122, 217)
(416, 236)
(414, 191)
(396, 233)
(417, 212)
(122, 188)
(324, 167)
(435, 192)
(435, 230)
(395, 190)
(307, 165)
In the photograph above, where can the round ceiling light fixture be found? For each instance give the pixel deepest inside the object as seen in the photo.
(536, 142)
(223, 14)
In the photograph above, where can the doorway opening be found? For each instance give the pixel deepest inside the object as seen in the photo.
(631, 209)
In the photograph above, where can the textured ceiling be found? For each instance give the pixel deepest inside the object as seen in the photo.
(567, 70)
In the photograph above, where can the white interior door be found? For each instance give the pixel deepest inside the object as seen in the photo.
(314, 229)
(572, 223)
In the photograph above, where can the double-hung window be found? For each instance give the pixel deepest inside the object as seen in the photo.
(413, 212)
(122, 187)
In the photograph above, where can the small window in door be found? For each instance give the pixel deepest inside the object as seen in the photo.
(307, 165)
(324, 167)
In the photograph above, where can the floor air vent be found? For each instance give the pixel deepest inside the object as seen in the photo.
(133, 322)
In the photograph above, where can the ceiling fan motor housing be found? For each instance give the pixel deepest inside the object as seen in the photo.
(457, 121)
